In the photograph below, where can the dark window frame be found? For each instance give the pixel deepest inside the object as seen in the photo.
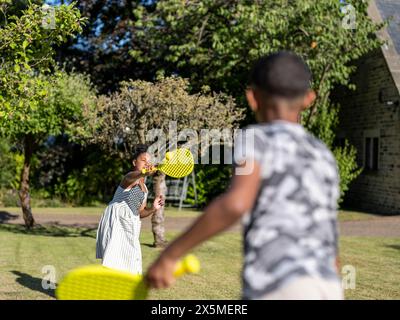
(371, 153)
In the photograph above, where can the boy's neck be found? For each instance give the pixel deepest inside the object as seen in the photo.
(273, 114)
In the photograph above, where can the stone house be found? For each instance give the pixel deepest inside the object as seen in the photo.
(370, 118)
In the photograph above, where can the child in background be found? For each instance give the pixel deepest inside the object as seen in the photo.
(285, 187)
(117, 238)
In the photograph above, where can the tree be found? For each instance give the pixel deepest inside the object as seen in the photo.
(104, 45)
(33, 102)
(127, 117)
(9, 8)
(215, 42)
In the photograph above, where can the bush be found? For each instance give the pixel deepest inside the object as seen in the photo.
(93, 181)
(324, 127)
(42, 198)
(9, 198)
(72, 190)
(348, 169)
(39, 198)
(7, 164)
(211, 181)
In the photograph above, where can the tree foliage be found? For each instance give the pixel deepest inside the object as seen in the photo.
(27, 55)
(104, 45)
(215, 42)
(126, 116)
(36, 100)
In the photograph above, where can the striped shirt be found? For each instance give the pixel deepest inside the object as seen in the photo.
(117, 239)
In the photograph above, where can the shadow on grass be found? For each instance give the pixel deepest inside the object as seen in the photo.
(368, 212)
(53, 230)
(150, 245)
(6, 216)
(32, 283)
(393, 246)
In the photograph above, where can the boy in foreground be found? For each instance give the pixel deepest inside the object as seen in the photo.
(285, 186)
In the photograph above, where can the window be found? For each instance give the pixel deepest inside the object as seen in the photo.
(371, 153)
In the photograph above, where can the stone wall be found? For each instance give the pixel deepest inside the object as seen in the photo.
(364, 115)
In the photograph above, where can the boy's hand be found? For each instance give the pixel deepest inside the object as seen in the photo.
(161, 273)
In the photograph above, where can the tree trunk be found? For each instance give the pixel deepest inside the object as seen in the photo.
(157, 220)
(24, 188)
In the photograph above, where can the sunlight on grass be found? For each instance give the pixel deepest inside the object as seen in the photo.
(348, 215)
(377, 264)
(97, 211)
(344, 215)
(25, 253)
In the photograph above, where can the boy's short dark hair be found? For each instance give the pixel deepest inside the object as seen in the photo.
(282, 74)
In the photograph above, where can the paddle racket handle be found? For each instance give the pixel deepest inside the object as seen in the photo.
(189, 264)
(144, 171)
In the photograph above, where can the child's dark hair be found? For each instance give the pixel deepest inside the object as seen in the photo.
(282, 74)
(138, 150)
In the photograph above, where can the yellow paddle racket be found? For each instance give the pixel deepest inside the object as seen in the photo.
(176, 164)
(95, 282)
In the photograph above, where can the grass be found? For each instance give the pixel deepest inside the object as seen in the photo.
(377, 264)
(24, 254)
(344, 215)
(349, 215)
(97, 211)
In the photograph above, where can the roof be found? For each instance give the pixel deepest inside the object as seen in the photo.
(380, 10)
(391, 9)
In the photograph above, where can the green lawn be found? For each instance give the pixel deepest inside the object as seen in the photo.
(349, 215)
(23, 255)
(169, 211)
(344, 215)
(377, 263)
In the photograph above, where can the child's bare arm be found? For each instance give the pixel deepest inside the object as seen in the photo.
(157, 204)
(218, 216)
(133, 176)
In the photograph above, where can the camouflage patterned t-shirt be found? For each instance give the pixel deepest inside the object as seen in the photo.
(291, 230)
